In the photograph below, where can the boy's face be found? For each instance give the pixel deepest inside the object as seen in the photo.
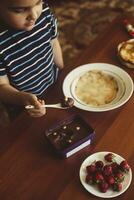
(20, 14)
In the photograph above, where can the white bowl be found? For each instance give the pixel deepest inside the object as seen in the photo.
(124, 81)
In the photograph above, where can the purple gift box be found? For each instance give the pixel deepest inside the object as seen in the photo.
(70, 135)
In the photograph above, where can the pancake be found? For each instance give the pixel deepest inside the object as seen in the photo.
(96, 88)
(126, 53)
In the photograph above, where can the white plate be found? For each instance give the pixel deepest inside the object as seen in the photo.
(124, 81)
(128, 64)
(92, 189)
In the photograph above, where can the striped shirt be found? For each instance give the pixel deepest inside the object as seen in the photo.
(26, 57)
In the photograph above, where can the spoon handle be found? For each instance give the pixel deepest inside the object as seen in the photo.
(58, 105)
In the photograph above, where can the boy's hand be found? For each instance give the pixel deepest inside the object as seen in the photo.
(31, 99)
(38, 111)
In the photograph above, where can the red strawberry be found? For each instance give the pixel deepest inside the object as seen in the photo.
(91, 169)
(110, 180)
(115, 167)
(99, 165)
(117, 186)
(124, 166)
(98, 177)
(109, 157)
(89, 179)
(103, 186)
(107, 170)
(119, 177)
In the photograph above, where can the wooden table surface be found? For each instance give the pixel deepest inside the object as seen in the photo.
(29, 170)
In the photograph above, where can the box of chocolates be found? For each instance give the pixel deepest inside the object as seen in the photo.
(70, 135)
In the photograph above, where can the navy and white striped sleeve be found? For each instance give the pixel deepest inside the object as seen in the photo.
(2, 68)
(52, 20)
(54, 26)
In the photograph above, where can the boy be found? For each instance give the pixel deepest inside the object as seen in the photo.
(30, 54)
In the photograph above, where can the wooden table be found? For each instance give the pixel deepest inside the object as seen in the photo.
(29, 170)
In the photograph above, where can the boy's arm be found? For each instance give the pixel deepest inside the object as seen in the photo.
(9, 94)
(58, 58)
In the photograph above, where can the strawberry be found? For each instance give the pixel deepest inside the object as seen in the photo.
(110, 180)
(98, 177)
(103, 186)
(107, 170)
(119, 177)
(99, 165)
(109, 157)
(124, 166)
(115, 167)
(91, 169)
(89, 179)
(117, 186)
